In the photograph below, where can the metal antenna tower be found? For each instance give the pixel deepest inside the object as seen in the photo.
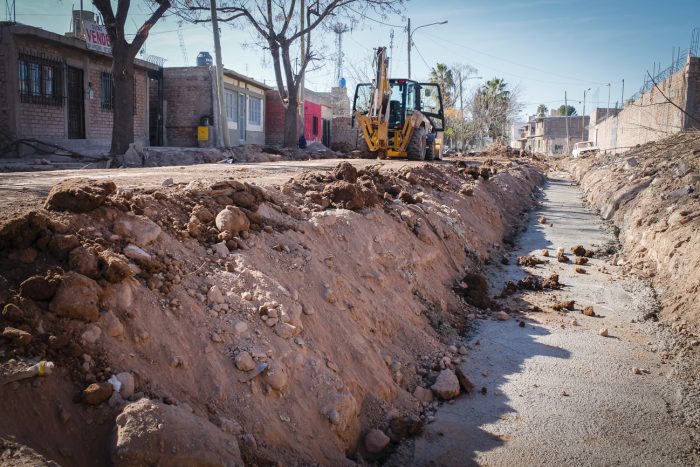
(339, 29)
(694, 42)
(10, 11)
(183, 48)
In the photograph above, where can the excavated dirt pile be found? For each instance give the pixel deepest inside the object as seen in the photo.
(221, 323)
(652, 194)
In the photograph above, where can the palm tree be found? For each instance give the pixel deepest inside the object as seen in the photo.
(542, 110)
(442, 76)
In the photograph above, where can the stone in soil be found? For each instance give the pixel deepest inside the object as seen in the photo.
(232, 219)
(446, 385)
(97, 393)
(580, 260)
(18, 337)
(530, 261)
(562, 258)
(475, 290)
(39, 288)
(128, 384)
(244, 361)
(77, 297)
(502, 316)
(141, 230)
(463, 380)
(552, 282)
(78, 195)
(588, 311)
(376, 441)
(578, 250)
(603, 332)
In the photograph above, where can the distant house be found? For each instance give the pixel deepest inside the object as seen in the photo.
(548, 134)
(190, 100)
(55, 89)
(318, 114)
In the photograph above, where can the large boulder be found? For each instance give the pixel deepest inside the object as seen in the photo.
(151, 433)
(77, 297)
(232, 219)
(79, 194)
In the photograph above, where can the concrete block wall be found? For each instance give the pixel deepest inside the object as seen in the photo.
(274, 119)
(188, 97)
(343, 136)
(652, 117)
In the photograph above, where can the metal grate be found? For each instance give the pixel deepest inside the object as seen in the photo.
(40, 79)
(106, 91)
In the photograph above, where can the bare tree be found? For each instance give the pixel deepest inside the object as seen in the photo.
(123, 55)
(279, 25)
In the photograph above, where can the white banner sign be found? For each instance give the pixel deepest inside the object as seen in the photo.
(96, 37)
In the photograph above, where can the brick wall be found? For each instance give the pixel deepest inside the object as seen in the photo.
(343, 136)
(49, 122)
(274, 119)
(188, 98)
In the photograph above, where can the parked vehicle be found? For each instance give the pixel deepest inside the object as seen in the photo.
(584, 148)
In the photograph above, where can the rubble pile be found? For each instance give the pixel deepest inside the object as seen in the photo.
(305, 322)
(652, 194)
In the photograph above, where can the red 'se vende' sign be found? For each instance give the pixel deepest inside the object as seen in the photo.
(96, 37)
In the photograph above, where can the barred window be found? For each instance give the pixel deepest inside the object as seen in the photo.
(231, 106)
(40, 80)
(255, 111)
(106, 91)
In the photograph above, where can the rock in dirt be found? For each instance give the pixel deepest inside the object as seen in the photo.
(136, 253)
(78, 195)
(244, 361)
(345, 195)
(580, 260)
(580, 270)
(12, 312)
(552, 282)
(542, 220)
(603, 332)
(530, 261)
(446, 385)
(141, 230)
(588, 311)
(112, 326)
(97, 393)
(475, 290)
(578, 250)
(423, 394)
(562, 258)
(151, 433)
(545, 253)
(232, 219)
(215, 296)
(39, 288)
(502, 316)
(84, 261)
(463, 380)
(277, 378)
(77, 297)
(128, 384)
(345, 171)
(376, 441)
(17, 336)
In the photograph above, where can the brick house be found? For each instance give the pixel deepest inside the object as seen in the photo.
(318, 113)
(548, 134)
(54, 89)
(190, 97)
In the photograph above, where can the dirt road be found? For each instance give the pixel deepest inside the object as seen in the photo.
(21, 190)
(555, 393)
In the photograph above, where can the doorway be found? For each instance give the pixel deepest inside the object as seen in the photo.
(76, 103)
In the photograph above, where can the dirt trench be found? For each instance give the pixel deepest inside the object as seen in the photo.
(580, 375)
(286, 323)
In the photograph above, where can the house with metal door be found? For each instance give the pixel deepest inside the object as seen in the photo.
(190, 100)
(57, 90)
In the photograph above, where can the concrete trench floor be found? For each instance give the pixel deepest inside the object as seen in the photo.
(559, 394)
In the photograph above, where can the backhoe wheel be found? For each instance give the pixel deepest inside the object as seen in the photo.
(365, 153)
(416, 147)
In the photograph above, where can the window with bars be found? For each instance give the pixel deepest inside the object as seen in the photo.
(314, 125)
(107, 91)
(40, 80)
(255, 110)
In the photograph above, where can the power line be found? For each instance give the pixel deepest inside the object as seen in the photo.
(376, 20)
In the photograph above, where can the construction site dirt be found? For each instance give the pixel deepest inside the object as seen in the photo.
(326, 312)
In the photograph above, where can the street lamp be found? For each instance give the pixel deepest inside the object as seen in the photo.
(410, 39)
(583, 122)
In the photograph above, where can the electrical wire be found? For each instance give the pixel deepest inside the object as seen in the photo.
(375, 20)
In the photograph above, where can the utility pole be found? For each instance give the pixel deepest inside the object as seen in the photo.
(583, 122)
(391, 52)
(223, 121)
(622, 98)
(408, 29)
(607, 109)
(303, 72)
(566, 116)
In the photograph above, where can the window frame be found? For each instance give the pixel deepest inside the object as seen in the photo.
(40, 80)
(255, 106)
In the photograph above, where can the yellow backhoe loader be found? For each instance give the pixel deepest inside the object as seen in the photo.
(398, 117)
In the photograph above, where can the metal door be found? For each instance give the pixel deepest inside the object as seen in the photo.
(241, 116)
(76, 103)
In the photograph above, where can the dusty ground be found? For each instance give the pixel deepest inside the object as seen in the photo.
(308, 314)
(555, 392)
(652, 194)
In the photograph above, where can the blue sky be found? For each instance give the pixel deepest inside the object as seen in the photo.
(544, 47)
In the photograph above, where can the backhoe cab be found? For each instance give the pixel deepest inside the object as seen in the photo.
(398, 117)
